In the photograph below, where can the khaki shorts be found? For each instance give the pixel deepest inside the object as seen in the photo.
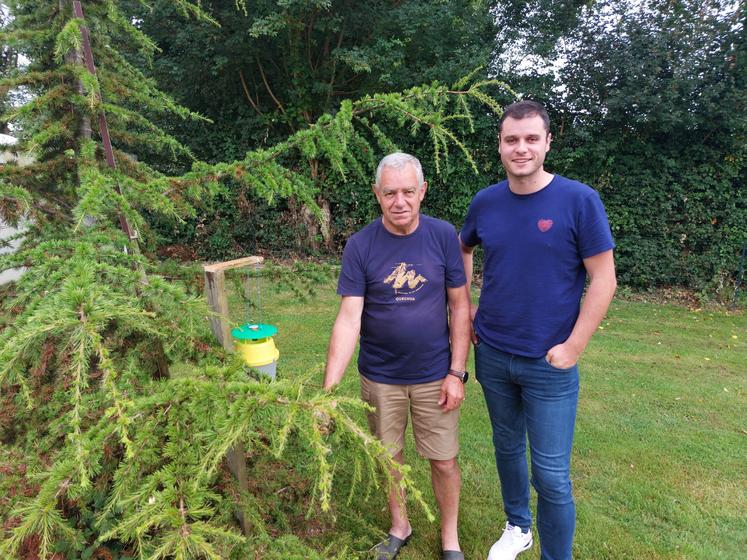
(436, 432)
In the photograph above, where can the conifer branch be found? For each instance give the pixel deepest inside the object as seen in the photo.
(330, 136)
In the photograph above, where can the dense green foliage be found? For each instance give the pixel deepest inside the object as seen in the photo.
(275, 67)
(661, 130)
(647, 100)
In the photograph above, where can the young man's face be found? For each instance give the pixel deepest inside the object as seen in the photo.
(523, 146)
(399, 196)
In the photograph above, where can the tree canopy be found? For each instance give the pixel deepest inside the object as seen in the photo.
(652, 113)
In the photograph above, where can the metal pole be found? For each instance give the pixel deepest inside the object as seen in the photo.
(130, 232)
(103, 125)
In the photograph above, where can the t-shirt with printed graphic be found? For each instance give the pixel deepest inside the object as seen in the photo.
(403, 279)
(533, 271)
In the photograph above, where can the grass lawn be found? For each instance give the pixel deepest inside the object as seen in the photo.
(660, 456)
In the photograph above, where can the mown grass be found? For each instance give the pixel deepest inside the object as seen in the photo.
(660, 457)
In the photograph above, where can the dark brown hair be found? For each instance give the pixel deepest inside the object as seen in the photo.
(524, 109)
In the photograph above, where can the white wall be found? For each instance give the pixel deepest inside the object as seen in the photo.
(14, 273)
(6, 156)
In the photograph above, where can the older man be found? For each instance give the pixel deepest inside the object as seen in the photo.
(404, 291)
(542, 234)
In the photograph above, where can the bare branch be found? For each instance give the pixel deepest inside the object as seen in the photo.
(254, 105)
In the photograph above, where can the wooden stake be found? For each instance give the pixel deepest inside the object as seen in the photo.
(215, 291)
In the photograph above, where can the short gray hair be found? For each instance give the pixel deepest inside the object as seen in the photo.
(398, 160)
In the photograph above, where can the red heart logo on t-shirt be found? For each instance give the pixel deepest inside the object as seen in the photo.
(544, 225)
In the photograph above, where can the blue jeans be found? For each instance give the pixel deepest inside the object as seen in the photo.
(529, 397)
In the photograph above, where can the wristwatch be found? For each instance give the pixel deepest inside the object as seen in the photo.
(462, 375)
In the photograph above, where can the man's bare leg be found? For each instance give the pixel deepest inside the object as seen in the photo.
(397, 507)
(447, 481)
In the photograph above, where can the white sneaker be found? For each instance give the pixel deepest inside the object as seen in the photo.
(511, 543)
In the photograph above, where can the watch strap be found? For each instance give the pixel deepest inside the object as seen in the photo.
(462, 375)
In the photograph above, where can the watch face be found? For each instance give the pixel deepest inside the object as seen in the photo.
(463, 375)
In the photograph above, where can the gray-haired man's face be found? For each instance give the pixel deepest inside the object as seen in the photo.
(399, 196)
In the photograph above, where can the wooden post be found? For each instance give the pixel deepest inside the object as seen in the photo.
(236, 458)
(215, 290)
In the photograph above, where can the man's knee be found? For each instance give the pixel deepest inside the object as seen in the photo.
(508, 448)
(553, 486)
(447, 467)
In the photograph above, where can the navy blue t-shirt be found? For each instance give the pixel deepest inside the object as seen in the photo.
(403, 279)
(533, 275)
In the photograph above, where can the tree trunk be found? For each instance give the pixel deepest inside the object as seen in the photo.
(314, 227)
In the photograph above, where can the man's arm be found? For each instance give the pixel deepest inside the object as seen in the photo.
(344, 337)
(452, 388)
(468, 260)
(602, 285)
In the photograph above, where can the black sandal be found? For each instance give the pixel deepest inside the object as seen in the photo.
(452, 555)
(389, 548)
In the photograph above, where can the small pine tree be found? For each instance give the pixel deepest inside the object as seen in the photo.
(124, 458)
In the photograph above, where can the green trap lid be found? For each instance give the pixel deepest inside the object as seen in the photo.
(254, 332)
